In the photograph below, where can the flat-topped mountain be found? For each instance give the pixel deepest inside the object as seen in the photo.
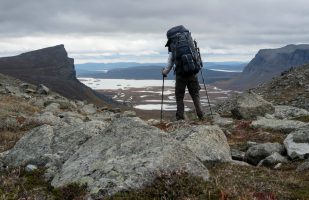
(269, 63)
(52, 67)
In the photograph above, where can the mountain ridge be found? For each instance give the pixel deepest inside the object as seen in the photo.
(269, 63)
(52, 67)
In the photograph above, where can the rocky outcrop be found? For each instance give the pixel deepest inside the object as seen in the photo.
(124, 154)
(259, 152)
(297, 143)
(269, 63)
(127, 155)
(249, 105)
(290, 88)
(53, 68)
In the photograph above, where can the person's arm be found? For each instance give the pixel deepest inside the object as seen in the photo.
(170, 63)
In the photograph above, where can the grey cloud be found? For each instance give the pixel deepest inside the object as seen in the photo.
(216, 23)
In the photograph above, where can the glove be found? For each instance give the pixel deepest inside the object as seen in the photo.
(162, 71)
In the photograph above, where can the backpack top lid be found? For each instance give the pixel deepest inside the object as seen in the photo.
(173, 31)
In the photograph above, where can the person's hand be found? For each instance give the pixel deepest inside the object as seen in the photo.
(163, 74)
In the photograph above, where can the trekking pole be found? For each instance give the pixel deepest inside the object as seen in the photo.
(206, 93)
(162, 100)
(201, 63)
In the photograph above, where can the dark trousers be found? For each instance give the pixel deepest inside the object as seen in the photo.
(194, 87)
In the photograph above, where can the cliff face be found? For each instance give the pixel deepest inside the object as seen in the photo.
(52, 67)
(269, 63)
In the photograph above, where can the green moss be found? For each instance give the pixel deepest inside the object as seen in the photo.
(302, 119)
(71, 191)
(177, 185)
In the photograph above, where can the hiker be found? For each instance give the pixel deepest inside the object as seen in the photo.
(183, 54)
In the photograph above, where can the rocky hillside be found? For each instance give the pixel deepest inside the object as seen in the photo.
(55, 148)
(269, 63)
(290, 88)
(51, 67)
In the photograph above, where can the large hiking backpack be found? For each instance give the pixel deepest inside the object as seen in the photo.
(185, 53)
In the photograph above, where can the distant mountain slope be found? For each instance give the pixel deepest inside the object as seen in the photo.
(290, 88)
(52, 67)
(269, 63)
(152, 72)
(80, 68)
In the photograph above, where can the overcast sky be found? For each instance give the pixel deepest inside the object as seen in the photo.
(135, 30)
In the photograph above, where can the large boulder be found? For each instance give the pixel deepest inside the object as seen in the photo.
(250, 105)
(46, 143)
(297, 143)
(258, 152)
(127, 155)
(207, 142)
(289, 112)
(283, 125)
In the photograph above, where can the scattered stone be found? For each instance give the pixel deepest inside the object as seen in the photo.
(64, 103)
(303, 167)
(115, 110)
(153, 122)
(258, 152)
(237, 155)
(221, 121)
(30, 168)
(89, 109)
(239, 163)
(251, 143)
(30, 91)
(250, 105)
(103, 116)
(273, 160)
(12, 90)
(71, 118)
(207, 142)
(42, 89)
(24, 86)
(278, 166)
(284, 125)
(53, 108)
(289, 112)
(129, 113)
(297, 143)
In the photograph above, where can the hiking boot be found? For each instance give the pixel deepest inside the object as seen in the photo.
(201, 118)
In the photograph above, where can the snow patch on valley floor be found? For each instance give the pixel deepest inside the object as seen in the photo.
(166, 107)
(114, 84)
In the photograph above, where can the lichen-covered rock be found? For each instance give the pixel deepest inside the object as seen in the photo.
(89, 109)
(129, 113)
(250, 105)
(284, 125)
(238, 155)
(42, 89)
(273, 160)
(304, 166)
(289, 112)
(126, 155)
(41, 145)
(207, 142)
(297, 143)
(258, 152)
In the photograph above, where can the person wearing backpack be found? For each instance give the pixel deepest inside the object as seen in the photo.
(183, 54)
